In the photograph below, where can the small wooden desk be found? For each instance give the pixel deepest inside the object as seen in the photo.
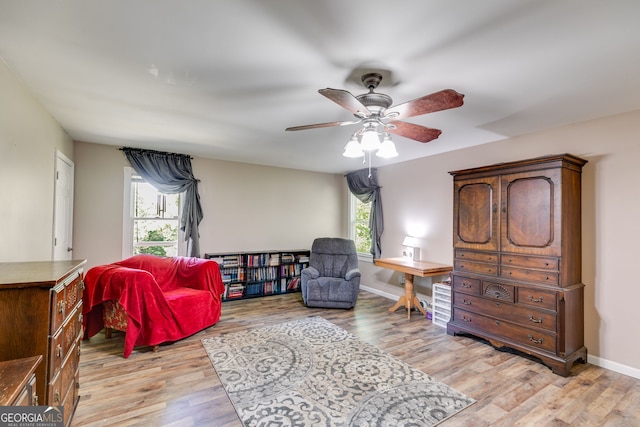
(411, 268)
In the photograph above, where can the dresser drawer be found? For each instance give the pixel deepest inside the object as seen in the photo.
(73, 293)
(466, 285)
(542, 263)
(61, 381)
(540, 298)
(475, 267)
(521, 315)
(70, 331)
(535, 338)
(499, 291)
(546, 277)
(488, 257)
(56, 352)
(57, 308)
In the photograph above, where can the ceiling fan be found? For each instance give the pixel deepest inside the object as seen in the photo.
(373, 110)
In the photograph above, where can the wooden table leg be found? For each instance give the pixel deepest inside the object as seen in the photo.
(409, 298)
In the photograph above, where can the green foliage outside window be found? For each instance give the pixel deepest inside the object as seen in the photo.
(362, 230)
(155, 220)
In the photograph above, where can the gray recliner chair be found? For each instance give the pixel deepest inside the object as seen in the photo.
(332, 279)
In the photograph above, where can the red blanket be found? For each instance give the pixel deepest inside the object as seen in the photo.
(166, 299)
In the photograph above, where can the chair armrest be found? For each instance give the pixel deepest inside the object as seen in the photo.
(352, 273)
(311, 272)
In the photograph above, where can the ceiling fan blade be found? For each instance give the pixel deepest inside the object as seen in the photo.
(438, 101)
(323, 125)
(413, 131)
(346, 100)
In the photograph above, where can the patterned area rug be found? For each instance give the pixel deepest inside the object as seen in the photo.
(311, 372)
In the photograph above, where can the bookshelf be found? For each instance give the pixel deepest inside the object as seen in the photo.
(263, 273)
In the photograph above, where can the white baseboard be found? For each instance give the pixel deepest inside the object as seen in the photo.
(379, 292)
(614, 366)
(594, 360)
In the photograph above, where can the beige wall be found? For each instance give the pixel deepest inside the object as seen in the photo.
(246, 207)
(29, 138)
(421, 191)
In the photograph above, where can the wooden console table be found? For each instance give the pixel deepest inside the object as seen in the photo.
(412, 268)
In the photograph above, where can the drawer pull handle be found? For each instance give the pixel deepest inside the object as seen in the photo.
(497, 323)
(59, 350)
(538, 341)
(498, 294)
(466, 319)
(538, 320)
(56, 396)
(34, 398)
(82, 285)
(466, 285)
(539, 299)
(60, 306)
(466, 301)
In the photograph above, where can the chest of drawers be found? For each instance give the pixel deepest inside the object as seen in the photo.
(41, 313)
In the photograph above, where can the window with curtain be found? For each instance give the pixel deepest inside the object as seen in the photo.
(363, 184)
(172, 173)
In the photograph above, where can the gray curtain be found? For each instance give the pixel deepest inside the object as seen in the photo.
(172, 173)
(363, 184)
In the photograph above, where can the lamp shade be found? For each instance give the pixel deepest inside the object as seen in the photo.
(353, 149)
(369, 140)
(411, 242)
(387, 149)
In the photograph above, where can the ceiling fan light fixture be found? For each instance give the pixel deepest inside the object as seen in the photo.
(353, 149)
(370, 141)
(387, 149)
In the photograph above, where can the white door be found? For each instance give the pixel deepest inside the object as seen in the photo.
(63, 209)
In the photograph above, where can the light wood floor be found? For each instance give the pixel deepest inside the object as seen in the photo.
(177, 386)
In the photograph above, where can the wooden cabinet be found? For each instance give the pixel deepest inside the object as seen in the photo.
(18, 382)
(41, 315)
(256, 274)
(517, 257)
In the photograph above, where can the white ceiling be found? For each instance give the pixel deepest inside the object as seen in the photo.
(224, 78)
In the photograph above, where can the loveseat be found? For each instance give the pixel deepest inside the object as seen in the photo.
(164, 299)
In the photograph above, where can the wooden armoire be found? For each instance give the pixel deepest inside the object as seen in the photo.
(517, 258)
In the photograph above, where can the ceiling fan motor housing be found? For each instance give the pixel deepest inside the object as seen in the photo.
(375, 102)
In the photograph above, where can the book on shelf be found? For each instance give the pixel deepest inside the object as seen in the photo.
(293, 284)
(287, 258)
(235, 290)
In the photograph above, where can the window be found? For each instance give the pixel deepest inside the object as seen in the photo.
(151, 219)
(359, 230)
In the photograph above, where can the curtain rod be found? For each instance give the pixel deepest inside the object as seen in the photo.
(155, 151)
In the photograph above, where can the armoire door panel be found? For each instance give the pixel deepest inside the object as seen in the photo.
(531, 213)
(476, 222)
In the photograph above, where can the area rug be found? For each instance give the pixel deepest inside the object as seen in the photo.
(310, 372)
